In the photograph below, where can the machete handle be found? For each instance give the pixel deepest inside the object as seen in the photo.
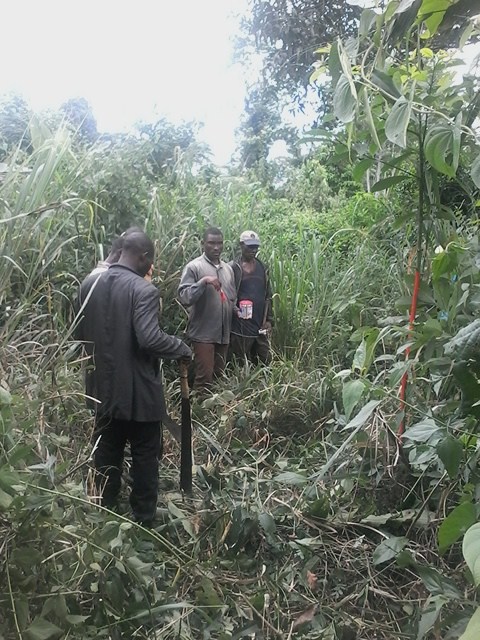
(184, 379)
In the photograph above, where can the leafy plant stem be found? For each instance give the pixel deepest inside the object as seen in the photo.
(12, 600)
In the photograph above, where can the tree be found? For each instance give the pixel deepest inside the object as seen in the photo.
(15, 117)
(287, 32)
(78, 113)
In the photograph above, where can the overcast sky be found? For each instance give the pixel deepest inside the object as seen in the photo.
(130, 60)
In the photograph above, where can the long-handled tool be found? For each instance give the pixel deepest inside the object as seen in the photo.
(186, 443)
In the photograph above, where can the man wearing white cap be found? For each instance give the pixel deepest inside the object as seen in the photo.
(253, 320)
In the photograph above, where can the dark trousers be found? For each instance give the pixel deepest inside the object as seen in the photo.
(210, 361)
(145, 440)
(254, 348)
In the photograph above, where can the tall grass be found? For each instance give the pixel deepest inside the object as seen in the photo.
(82, 571)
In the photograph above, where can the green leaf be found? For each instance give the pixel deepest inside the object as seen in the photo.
(367, 19)
(369, 117)
(437, 584)
(471, 551)
(290, 477)
(74, 620)
(8, 480)
(362, 416)
(442, 148)
(5, 397)
(360, 356)
(267, 522)
(385, 183)
(389, 549)
(344, 100)
(475, 171)
(455, 525)
(334, 64)
(5, 500)
(361, 167)
(41, 629)
(385, 83)
(397, 122)
(450, 452)
(472, 632)
(351, 393)
(430, 613)
(403, 6)
(432, 13)
(422, 431)
(467, 33)
(443, 263)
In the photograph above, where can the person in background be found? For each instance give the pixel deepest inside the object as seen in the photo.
(118, 325)
(252, 321)
(115, 253)
(207, 289)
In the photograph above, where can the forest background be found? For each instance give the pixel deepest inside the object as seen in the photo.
(336, 491)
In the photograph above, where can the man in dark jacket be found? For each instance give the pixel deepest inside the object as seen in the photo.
(118, 324)
(252, 319)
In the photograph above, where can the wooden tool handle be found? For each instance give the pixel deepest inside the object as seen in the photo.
(185, 391)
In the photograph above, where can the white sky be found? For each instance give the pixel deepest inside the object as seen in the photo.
(130, 60)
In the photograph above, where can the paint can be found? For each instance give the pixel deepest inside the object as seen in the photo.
(246, 309)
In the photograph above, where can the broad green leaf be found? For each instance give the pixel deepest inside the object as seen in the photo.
(367, 19)
(471, 551)
(182, 516)
(422, 431)
(389, 549)
(443, 263)
(442, 148)
(397, 122)
(74, 619)
(465, 37)
(472, 632)
(386, 84)
(437, 584)
(356, 424)
(430, 613)
(344, 100)
(450, 452)
(360, 356)
(290, 477)
(403, 6)
(267, 522)
(432, 13)
(475, 171)
(334, 64)
(431, 6)
(5, 500)
(386, 183)
(8, 480)
(5, 397)
(362, 416)
(351, 393)
(361, 167)
(41, 629)
(455, 525)
(206, 594)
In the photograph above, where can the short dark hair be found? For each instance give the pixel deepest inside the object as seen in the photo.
(132, 230)
(117, 245)
(137, 244)
(212, 231)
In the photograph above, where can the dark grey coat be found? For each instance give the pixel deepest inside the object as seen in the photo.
(118, 324)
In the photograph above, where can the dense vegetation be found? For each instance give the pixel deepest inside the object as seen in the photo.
(336, 491)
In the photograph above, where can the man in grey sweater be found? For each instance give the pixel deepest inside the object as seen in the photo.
(207, 289)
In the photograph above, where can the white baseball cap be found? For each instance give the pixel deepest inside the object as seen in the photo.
(250, 238)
